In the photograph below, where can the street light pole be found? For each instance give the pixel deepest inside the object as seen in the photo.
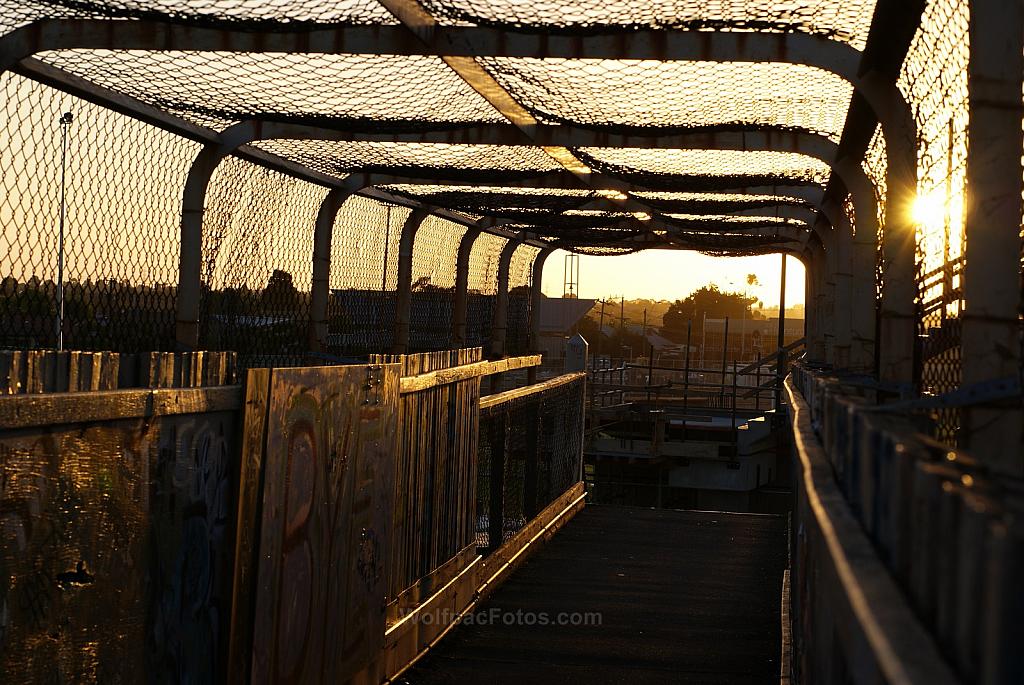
(65, 124)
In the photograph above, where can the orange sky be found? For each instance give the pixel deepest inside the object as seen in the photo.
(673, 274)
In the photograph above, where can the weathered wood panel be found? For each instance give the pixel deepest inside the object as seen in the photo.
(434, 496)
(115, 549)
(325, 522)
(49, 371)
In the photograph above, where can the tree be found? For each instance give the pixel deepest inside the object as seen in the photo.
(707, 301)
(280, 291)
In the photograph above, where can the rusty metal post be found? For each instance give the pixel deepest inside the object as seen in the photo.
(320, 291)
(536, 297)
(863, 248)
(897, 333)
(828, 301)
(403, 298)
(499, 325)
(191, 256)
(815, 347)
(725, 354)
(842, 320)
(991, 343)
(780, 363)
(462, 287)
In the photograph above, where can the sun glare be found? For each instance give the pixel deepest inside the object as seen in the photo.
(929, 210)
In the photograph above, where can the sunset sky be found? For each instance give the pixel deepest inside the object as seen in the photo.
(673, 274)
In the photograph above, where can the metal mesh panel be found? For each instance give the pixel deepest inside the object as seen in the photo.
(705, 170)
(364, 276)
(520, 278)
(368, 92)
(481, 287)
(847, 21)
(496, 200)
(618, 93)
(538, 440)
(253, 14)
(123, 193)
(934, 80)
(434, 258)
(257, 263)
(425, 160)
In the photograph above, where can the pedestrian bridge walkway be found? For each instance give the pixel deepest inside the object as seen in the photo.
(648, 596)
(270, 283)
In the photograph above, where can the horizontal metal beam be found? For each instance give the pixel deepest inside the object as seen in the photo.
(753, 138)
(455, 41)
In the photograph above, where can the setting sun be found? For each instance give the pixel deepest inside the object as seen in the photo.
(929, 210)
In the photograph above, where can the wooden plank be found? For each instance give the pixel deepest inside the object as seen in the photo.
(424, 381)
(115, 534)
(250, 486)
(491, 401)
(11, 367)
(325, 522)
(23, 411)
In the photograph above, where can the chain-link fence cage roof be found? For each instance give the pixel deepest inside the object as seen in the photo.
(392, 94)
(216, 89)
(618, 94)
(450, 135)
(845, 21)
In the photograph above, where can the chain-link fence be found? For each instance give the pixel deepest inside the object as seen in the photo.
(934, 80)
(531, 446)
(434, 260)
(482, 287)
(112, 186)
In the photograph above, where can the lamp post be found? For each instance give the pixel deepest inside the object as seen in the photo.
(65, 125)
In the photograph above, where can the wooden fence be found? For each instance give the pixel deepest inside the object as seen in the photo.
(296, 527)
(44, 371)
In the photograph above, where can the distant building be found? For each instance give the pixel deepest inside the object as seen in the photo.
(748, 338)
(558, 317)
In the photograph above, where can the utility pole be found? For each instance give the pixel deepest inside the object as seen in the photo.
(780, 363)
(622, 326)
(600, 333)
(65, 125)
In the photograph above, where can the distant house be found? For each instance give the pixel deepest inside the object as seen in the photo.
(558, 317)
(748, 338)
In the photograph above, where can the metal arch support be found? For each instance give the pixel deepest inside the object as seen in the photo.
(458, 45)
(321, 287)
(813, 285)
(403, 306)
(850, 312)
(461, 306)
(191, 255)
(813, 145)
(452, 41)
(896, 335)
(731, 137)
(991, 330)
(537, 296)
(863, 247)
(499, 325)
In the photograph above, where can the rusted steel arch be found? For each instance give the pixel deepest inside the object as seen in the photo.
(248, 132)
(747, 138)
(450, 41)
(811, 50)
(740, 138)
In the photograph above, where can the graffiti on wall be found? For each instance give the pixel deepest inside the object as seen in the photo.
(328, 465)
(113, 556)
